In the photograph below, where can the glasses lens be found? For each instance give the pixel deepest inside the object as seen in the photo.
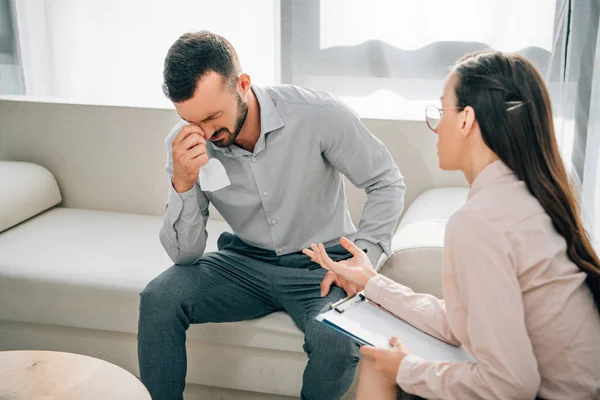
(432, 117)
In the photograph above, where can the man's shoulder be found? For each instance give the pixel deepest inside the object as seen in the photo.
(300, 96)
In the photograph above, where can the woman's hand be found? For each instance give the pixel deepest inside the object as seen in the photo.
(357, 270)
(387, 361)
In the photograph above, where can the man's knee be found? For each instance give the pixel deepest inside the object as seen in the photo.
(322, 342)
(163, 296)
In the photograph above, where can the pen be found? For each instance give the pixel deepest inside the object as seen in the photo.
(344, 257)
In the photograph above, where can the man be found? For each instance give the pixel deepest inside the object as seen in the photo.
(283, 149)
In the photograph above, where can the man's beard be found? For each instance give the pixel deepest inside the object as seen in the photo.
(230, 137)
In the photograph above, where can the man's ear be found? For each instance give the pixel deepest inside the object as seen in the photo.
(243, 84)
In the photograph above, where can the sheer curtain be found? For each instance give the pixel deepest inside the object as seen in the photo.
(575, 75)
(112, 51)
(389, 58)
(591, 182)
(11, 81)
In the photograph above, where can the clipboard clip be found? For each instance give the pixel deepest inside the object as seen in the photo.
(344, 304)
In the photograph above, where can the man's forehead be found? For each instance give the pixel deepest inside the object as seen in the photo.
(209, 98)
(211, 84)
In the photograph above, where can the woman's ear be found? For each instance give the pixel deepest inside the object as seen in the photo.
(468, 121)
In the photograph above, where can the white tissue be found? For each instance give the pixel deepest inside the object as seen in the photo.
(213, 176)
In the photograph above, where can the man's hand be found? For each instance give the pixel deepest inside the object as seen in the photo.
(331, 278)
(189, 155)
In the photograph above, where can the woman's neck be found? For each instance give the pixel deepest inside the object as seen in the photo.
(477, 163)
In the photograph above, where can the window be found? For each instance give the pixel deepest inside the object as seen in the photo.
(11, 81)
(576, 62)
(112, 51)
(389, 58)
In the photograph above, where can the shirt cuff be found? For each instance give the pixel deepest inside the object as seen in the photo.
(374, 250)
(182, 205)
(404, 377)
(375, 288)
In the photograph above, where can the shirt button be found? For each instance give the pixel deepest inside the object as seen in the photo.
(265, 193)
(253, 159)
(273, 221)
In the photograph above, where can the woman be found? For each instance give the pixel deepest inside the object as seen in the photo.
(521, 280)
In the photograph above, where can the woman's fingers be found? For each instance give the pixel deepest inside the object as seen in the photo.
(310, 254)
(319, 257)
(351, 247)
(317, 253)
(326, 259)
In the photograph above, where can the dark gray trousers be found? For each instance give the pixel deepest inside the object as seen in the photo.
(241, 282)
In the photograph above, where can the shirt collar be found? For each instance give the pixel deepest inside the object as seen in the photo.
(489, 176)
(270, 121)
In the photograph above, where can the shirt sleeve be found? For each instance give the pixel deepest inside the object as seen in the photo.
(183, 233)
(423, 311)
(351, 149)
(481, 262)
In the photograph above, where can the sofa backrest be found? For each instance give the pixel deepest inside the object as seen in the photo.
(113, 158)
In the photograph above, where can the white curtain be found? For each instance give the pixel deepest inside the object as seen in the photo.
(112, 51)
(591, 167)
(591, 182)
(389, 58)
(575, 75)
(11, 81)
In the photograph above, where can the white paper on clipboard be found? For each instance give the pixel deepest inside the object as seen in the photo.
(369, 324)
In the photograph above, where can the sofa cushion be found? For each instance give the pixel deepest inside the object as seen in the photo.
(83, 268)
(417, 245)
(26, 190)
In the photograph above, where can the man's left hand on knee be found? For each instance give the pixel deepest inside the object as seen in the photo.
(331, 278)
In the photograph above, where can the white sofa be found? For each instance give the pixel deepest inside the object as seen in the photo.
(71, 272)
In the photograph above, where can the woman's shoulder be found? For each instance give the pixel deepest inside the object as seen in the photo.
(500, 207)
(505, 217)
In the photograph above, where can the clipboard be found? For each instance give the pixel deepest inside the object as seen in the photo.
(368, 324)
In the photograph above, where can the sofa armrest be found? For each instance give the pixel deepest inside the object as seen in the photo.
(26, 190)
(417, 245)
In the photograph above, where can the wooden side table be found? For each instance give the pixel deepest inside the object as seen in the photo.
(50, 375)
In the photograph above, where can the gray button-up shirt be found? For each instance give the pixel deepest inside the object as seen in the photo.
(290, 193)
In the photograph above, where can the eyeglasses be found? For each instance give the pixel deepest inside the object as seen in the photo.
(433, 115)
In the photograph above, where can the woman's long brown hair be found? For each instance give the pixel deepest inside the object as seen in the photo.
(513, 109)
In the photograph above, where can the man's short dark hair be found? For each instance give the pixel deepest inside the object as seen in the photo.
(194, 55)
